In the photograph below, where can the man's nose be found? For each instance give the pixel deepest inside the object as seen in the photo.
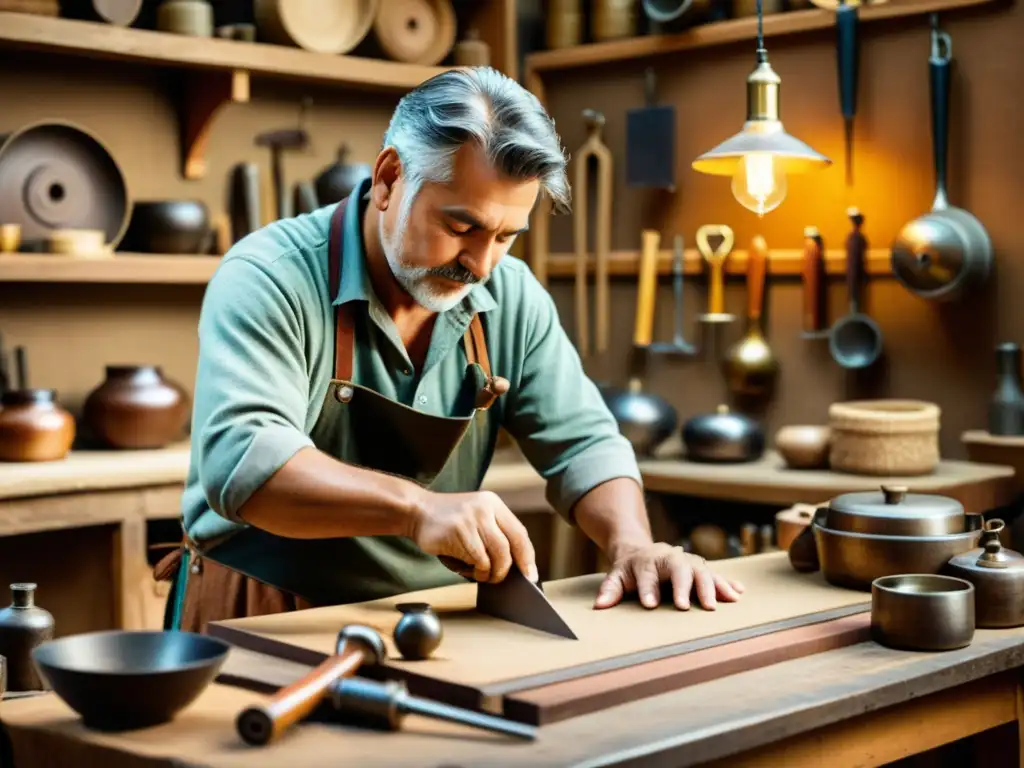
(479, 258)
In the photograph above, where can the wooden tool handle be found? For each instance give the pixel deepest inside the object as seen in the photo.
(647, 284)
(715, 259)
(261, 725)
(814, 281)
(757, 268)
(856, 252)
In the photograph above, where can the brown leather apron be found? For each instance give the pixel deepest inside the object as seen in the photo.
(256, 573)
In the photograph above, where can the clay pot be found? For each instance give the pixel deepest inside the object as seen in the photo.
(804, 446)
(23, 627)
(136, 407)
(33, 426)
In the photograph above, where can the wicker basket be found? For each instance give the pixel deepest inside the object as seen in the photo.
(884, 437)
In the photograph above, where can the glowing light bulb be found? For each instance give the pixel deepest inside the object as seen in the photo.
(759, 184)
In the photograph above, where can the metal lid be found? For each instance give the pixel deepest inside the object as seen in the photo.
(992, 555)
(894, 511)
(894, 501)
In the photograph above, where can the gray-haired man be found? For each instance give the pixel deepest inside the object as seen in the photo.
(356, 364)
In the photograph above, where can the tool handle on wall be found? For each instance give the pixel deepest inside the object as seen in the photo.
(647, 286)
(847, 47)
(757, 270)
(813, 281)
(939, 82)
(856, 251)
(263, 724)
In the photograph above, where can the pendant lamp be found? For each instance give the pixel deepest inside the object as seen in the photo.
(762, 154)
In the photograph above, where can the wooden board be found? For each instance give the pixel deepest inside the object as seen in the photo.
(979, 487)
(483, 658)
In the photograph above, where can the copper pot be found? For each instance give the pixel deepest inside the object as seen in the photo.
(33, 426)
(136, 407)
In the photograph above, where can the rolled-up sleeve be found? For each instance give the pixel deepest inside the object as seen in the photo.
(556, 413)
(252, 384)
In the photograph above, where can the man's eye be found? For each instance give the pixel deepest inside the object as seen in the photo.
(456, 231)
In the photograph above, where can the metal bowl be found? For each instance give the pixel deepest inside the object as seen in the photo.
(922, 612)
(855, 560)
(123, 680)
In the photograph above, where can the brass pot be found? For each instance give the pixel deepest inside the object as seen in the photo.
(998, 577)
(855, 560)
(922, 612)
(894, 512)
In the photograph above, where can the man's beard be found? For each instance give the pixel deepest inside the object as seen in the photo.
(417, 281)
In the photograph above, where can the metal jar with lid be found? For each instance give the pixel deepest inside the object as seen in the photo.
(997, 574)
(893, 511)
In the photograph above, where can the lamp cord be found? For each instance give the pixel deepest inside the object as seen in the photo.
(762, 54)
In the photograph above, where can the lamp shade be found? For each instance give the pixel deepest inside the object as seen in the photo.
(760, 137)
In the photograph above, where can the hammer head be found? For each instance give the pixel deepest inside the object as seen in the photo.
(291, 138)
(367, 638)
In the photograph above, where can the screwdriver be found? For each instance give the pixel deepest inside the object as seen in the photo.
(385, 704)
(848, 54)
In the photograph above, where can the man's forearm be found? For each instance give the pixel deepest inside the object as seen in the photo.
(314, 496)
(614, 517)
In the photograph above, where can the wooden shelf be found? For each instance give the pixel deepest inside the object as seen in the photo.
(121, 268)
(215, 71)
(723, 33)
(780, 262)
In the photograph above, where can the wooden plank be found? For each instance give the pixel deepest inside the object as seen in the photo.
(482, 657)
(572, 698)
(781, 262)
(152, 269)
(110, 42)
(979, 487)
(95, 470)
(724, 33)
(738, 715)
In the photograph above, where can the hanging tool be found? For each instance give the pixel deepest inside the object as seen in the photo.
(278, 142)
(385, 705)
(848, 59)
(856, 339)
(593, 147)
(716, 316)
(750, 366)
(356, 645)
(645, 419)
(651, 141)
(815, 309)
(679, 345)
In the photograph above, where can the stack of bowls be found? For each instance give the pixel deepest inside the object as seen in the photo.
(860, 537)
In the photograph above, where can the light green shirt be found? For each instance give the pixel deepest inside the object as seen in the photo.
(266, 357)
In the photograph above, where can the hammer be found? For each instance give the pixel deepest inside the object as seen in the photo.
(278, 141)
(357, 645)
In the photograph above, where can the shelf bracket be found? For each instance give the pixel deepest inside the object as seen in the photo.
(203, 94)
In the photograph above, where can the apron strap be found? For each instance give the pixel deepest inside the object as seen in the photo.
(474, 340)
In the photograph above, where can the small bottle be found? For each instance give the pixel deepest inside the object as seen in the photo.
(471, 51)
(1006, 408)
(23, 627)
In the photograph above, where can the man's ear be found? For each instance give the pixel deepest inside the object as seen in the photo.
(387, 175)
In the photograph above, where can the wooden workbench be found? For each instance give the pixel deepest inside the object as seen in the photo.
(863, 705)
(80, 528)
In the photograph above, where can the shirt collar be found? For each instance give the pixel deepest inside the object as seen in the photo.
(355, 277)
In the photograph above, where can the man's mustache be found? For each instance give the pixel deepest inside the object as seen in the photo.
(455, 272)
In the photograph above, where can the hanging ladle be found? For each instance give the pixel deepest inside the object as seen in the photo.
(750, 366)
(856, 340)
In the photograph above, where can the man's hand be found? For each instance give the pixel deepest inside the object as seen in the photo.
(477, 529)
(643, 569)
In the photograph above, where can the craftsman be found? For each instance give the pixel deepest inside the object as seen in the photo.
(356, 363)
